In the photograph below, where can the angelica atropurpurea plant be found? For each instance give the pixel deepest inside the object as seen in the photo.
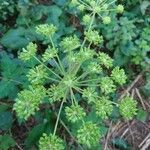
(80, 71)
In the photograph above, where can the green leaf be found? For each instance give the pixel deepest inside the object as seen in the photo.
(34, 135)
(6, 120)
(142, 115)
(54, 14)
(13, 74)
(6, 142)
(15, 38)
(8, 88)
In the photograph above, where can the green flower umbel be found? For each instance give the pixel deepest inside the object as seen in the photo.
(107, 85)
(88, 134)
(75, 113)
(70, 43)
(105, 60)
(37, 75)
(29, 52)
(128, 108)
(27, 102)
(93, 37)
(90, 94)
(118, 75)
(51, 142)
(46, 29)
(104, 107)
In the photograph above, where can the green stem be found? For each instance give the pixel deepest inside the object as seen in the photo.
(78, 89)
(82, 76)
(88, 85)
(73, 97)
(60, 64)
(70, 133)
(88, 80)
(52, 79)
(82, 45)
(52, 42)
(47, 67)
(58, 116)
(72, 101)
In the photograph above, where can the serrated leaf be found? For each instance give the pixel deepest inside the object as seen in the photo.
(8, 88)
(6, 142)
(13, 74)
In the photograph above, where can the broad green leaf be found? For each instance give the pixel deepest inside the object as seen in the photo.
(15, 38)
(6, 120)
(8, 88)
(54, 14)
(34, 135)
(12, 75)
(6, 142)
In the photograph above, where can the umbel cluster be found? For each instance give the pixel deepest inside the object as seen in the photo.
(70, 72)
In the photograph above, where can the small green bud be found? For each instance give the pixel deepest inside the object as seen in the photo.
(86, 19)
(50, 142)
(107, 85)
(90, 94)
(29, 52)
(46, 29)
(118, 75)
(75, 113)
(93, 37)
(55, 93)
(70, 43)
(105, 60)
(97, 9)
(128, 108)
(81, 7)
(94, 67)
(120, 9)
(107, 20)
(27, 102)
(104, 107)
(85, 54)
(88, 134)
(37, 75)
(49, 54)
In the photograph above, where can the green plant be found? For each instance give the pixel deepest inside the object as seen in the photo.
(69, 70)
